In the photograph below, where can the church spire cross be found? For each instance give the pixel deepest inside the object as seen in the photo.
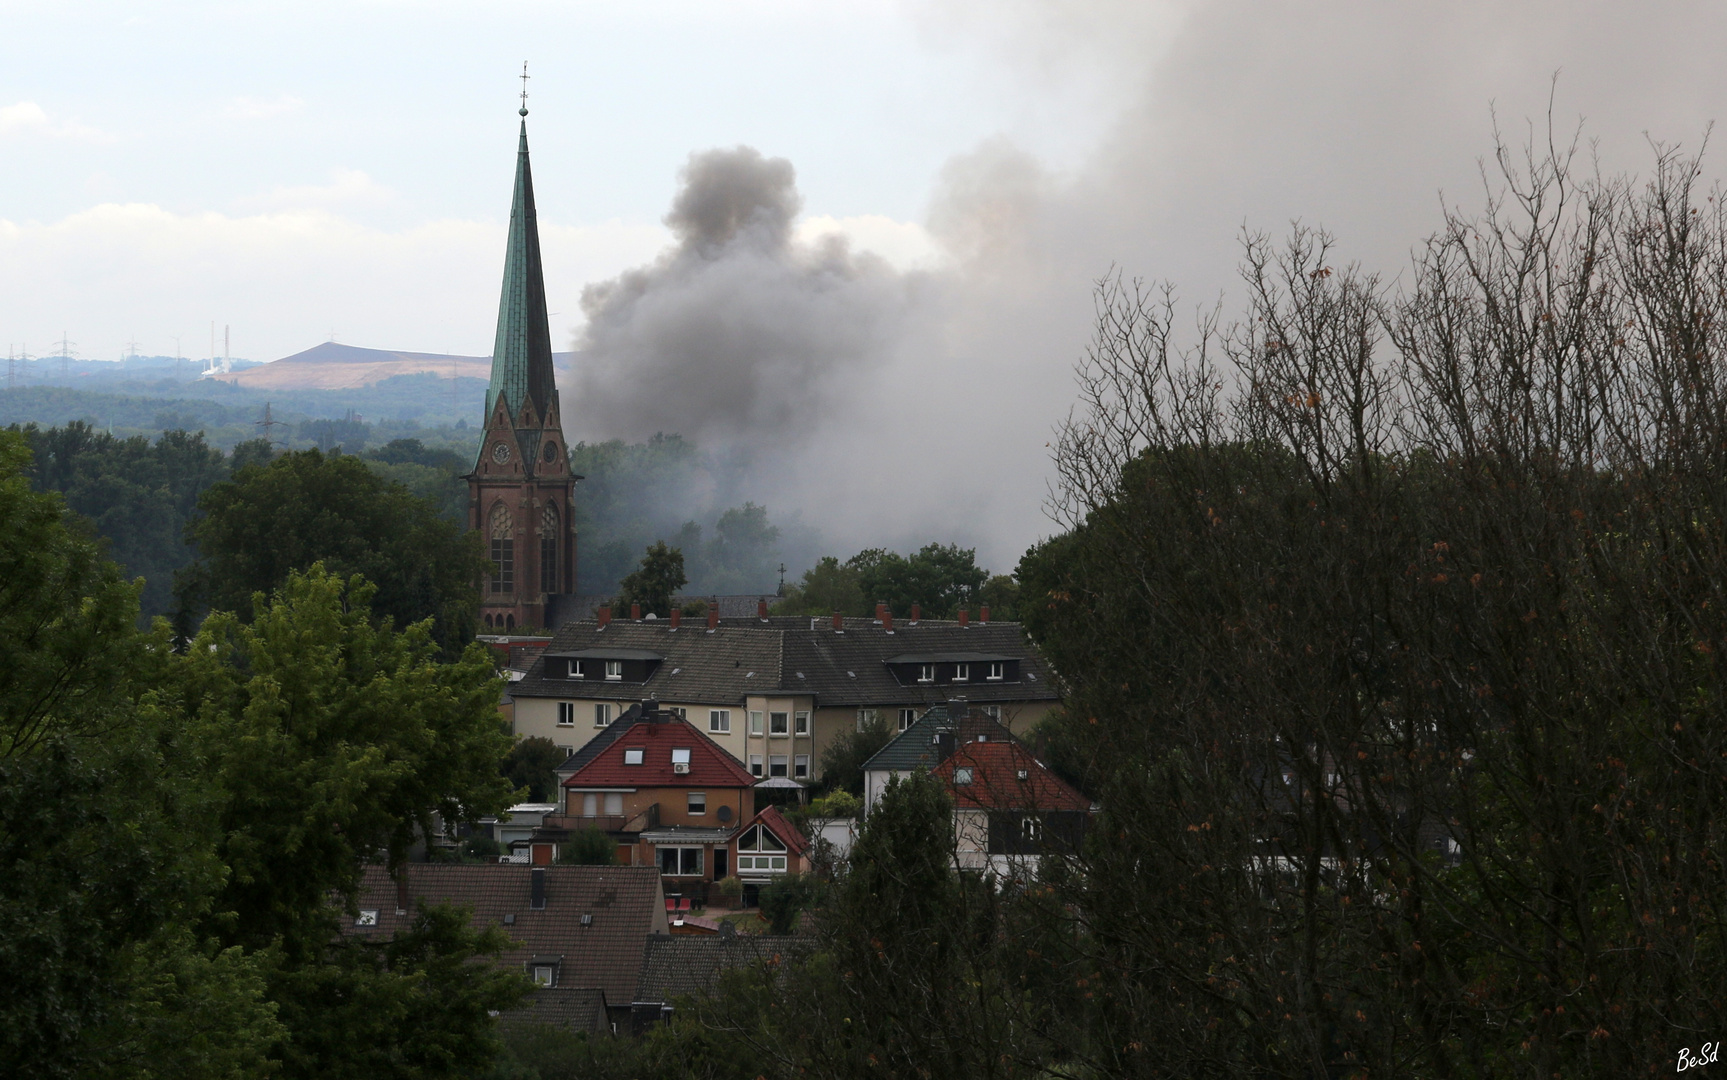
(525, 77)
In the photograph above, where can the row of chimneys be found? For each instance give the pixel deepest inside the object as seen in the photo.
(883, 615)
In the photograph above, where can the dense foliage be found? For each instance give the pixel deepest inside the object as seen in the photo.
(938, 578)
(654, 582)
(305, 508)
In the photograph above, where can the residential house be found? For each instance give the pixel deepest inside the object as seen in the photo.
(671, 797)
(765, 849)
(576, 928)
(776, 691)
(925, 743)
(675, 967)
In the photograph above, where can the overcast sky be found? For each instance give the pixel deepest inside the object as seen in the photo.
(302, 170)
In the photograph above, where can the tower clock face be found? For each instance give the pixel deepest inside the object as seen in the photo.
(500, 453)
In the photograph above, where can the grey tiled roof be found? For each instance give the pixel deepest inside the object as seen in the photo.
(626, 903)
(915, 745)
(571, 1008)
(680, 965)
(792, 655)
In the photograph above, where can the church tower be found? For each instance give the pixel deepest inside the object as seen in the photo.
(520, 494)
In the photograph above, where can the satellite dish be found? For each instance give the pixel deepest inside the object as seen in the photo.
(724, 814)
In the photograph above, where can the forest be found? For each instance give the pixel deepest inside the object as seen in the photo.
(1390, 618)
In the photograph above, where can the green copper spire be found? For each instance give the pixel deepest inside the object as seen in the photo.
(522, 354)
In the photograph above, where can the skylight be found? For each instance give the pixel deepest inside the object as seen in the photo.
(633, 755)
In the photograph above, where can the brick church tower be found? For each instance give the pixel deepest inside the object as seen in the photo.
(520, 494)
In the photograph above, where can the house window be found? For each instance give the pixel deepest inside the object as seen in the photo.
(633, 755)
(962, 673)
(720, 721)
(614, 669)
(993, 712)
(698, 802)
(962, 774)
(803, 724)
(755, 723)
(367, 917)
(576, 669)
(1031, 829)
(801, 767)
(565, 752)
(681, 756)
(865, 718)
(503, 550)
(907, 717)
(614, 804)
(681, 861)
(549, 549)
(602, 715)
(755, 764)
(776, 765)
(997, 670)
(926, 673)
(566, 714)
(544, 975)
(777, 723)
(679, 712)
(590, 805)
(759, 849)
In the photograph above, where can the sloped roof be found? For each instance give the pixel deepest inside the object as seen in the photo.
(777, 824)
(567, 1007)
(680, 965)
(626, 902)
(791, 655)
(710, 766)
(916, 745)
(996, 784)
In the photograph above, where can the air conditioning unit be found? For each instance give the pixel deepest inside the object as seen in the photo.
(680, 767)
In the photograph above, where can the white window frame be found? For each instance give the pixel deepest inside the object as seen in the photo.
(962, 774)
(545, 975)
(907, 717)
(779, 724)
(720, 721)
(576, 670)
(566, 714)
(962, 673)
(680, 755)
(801, 723)
(926, 673)
(700, 860)
(865, 716)
(614, 670)
(634, 755)
(602, 715)
(755, 722)
(778, 761)
(997, 671)
(1031, 829)
(756, 765)
(801, 767)
(993, 712)
(696, 803)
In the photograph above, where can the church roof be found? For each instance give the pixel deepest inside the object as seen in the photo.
(522, 352)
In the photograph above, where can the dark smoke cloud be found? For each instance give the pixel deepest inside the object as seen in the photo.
(740, 337)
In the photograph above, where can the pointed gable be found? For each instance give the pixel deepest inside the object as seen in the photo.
(641, 756)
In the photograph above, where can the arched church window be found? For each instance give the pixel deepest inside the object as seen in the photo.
(503, 550)
(549, 549)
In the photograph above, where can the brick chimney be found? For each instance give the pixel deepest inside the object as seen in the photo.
(713, 615)
(887, 618)
(762, 610)
(983, 614)
(964, 617)
(839, 623)
(879, 608)
(677, 616)
(604, 618)
(916, 611)
(636, 612)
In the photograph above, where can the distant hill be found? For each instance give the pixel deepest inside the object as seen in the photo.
(333, 366)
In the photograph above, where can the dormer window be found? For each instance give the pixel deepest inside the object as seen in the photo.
(576, 670)
(962, 774)
(962, 673)
(997, 671)
(926, 673)
(614, 669)
(633, 755)
(545, 975)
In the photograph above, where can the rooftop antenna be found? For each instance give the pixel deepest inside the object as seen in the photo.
(525, 76)
(268, 423)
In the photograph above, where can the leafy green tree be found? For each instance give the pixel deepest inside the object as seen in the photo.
(785, 898)
(938, 578)
(136, 494)
(589, 847)
(533, 764)
(304, 508)
(654, 582)
(826, 587)
(842, 761)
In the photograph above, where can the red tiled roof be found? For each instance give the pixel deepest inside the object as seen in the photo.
(710, 766)
(626, 903)
(780, 827)
(996, 784)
